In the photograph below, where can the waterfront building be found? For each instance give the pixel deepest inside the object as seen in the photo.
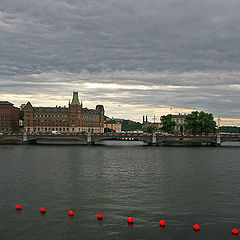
(74, 118)
(113, 125)
(9, 117)
(155, 124)
(180, 123)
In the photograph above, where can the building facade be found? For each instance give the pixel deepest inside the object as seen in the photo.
(113, 125)
(73, 118)
(9, 117)
(180, 123)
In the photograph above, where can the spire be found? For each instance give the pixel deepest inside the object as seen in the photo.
(75, 100)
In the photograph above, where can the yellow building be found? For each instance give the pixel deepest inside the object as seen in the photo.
(113, 125)
(180, 123)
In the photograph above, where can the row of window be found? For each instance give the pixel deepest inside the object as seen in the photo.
(4, 111)
(59, 129)
(4, 118)
(64, 116)
(179, 120)
(64, 121)
(54, 116)
(4, 124)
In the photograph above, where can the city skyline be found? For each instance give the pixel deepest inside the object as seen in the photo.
(136, 58)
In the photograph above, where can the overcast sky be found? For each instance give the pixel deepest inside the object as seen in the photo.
(136, 57)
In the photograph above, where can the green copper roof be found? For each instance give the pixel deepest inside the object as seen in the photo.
(75, 100)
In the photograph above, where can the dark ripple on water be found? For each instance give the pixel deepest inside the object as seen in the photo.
(182, 185)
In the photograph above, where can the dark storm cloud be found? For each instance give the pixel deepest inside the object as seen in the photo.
(169, 53)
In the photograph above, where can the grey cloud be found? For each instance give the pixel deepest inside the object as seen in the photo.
(53, 46)
(151, 35)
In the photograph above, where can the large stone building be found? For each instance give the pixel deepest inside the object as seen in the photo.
(113, 125)
(180, 123)
(73, 118)
(9, 117)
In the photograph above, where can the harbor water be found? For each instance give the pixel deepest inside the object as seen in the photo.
(181, 185)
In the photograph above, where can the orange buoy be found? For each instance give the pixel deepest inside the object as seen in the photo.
(100, 216)
(130, 220)
(162, 223)
(43, 210)
(196, 227)
(235, 231)
(71, 213)
(19, 207)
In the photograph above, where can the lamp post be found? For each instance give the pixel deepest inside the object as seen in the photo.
(218, 120)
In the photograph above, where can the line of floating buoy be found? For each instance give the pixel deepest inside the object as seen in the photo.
(235, 231)
(162, 223)
(196, 227)
(43, 210)
(19, 207)
(130, 220)
(71, 213)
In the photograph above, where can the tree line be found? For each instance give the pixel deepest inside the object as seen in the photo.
(194, 123)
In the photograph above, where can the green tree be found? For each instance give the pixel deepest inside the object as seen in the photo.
(200, 123)
(229, 129)
(149, 129)
(131, 126)
(168, 123)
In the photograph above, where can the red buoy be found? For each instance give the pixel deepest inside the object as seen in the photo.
(196, 227)
(19, 207)
(43, 210)
(71, 213)
(235, 231)
(162, 223)
(100, 216)
(130, 220)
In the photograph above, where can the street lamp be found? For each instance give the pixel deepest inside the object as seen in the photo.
(218, 120)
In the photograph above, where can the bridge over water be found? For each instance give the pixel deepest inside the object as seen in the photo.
(90, 138)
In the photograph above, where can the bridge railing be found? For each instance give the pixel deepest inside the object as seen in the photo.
(148, 137)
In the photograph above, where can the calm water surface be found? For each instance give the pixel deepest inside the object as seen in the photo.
(183, 185)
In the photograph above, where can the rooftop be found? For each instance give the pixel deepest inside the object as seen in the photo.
(5, 103)
(179, 116)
